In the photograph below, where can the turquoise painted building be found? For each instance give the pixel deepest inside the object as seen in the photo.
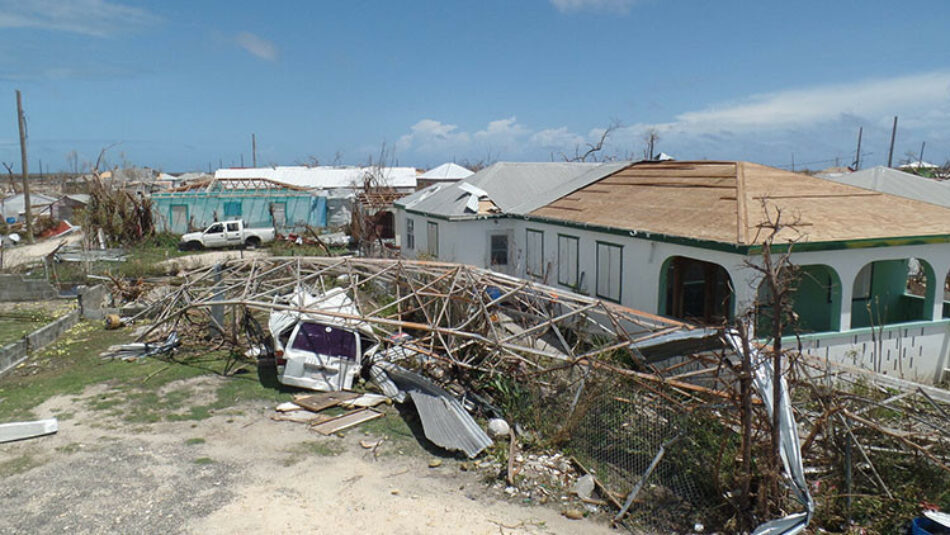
(259, 202)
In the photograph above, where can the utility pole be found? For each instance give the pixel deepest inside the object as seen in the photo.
(920, 161)
(890, 153)
(857, 153)
(793, 162)
(254, 150)
(21, 119)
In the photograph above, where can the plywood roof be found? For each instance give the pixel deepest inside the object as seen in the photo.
(723, 202)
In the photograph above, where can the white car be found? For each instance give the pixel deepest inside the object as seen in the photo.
(319, 351)
(226, 234)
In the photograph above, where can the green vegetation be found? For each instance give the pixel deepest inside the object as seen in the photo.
(18, 465)
(21, 319)
(203, 461)
(194, 441)
(283, 248)
(135, 391)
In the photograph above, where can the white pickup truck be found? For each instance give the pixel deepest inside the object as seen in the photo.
(226, 234)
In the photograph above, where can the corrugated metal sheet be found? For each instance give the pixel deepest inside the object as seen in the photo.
(514, 187)
(447, 171)
(444, 420)
(894, 182)
(324, 177)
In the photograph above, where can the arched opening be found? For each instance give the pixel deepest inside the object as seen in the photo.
(892, 291)
(815, 301)
(695, 290)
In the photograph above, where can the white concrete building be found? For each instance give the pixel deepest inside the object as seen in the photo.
(675, 238)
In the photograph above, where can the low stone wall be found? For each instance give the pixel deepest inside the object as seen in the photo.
(16, 288)
(16, 352)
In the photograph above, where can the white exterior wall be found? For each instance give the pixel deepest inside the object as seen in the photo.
(918, 351)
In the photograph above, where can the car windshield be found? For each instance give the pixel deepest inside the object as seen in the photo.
(326, 340)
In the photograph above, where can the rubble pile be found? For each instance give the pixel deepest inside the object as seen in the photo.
(651, 405)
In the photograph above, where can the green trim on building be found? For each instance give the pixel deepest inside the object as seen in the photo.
(735, 248)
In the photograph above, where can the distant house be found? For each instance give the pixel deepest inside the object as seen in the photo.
(447, 172)
(339, 185)
(68, 206)
(165, 181)
(13, 207)
(259, 202)
(919, 165)
(675, 238)
(462, 221)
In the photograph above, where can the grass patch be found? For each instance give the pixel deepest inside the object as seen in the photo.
(396, 430)
(72, 363)
(203, 461)
(70, 448)
(313, 448)
(18, 465)
(194, 441)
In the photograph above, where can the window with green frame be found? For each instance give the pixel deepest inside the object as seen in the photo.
(609, 270)
(534, 253)
(567, 260)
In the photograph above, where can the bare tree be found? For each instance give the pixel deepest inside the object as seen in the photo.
(9, 167)
(779, 277)
(593, 149)
(650, 138)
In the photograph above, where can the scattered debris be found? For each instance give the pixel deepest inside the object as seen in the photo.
(140, 350)
(584, 487)
(365, 401)
(558, 366)
(346, 421)
(498, 427)
(324, 400)
(444, 420)
(13, 431)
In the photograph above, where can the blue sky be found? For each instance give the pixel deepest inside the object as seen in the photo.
(181, 85)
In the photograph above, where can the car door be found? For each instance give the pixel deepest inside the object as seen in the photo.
(232, 233)
(214, 236)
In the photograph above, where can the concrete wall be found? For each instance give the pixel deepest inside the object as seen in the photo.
(16, 288)
(14, 353)
(301, 208)
(922, 356)
(912, 351)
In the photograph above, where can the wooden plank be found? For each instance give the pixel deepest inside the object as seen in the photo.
(23, 430)
(324, 400)
(347, 421)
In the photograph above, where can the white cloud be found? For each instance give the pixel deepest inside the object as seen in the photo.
(614, 6)
(798, 107)
(557, 139)
(429, 135)
(817, 124)
(257, 46)
(98, 18)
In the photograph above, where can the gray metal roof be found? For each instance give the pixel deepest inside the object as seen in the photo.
(894, 182)
(514, 187)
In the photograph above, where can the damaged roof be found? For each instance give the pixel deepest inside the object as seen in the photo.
(723, 202)
(513, 187)
(325, 177)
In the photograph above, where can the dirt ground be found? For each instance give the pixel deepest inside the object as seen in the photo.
(241, 472)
